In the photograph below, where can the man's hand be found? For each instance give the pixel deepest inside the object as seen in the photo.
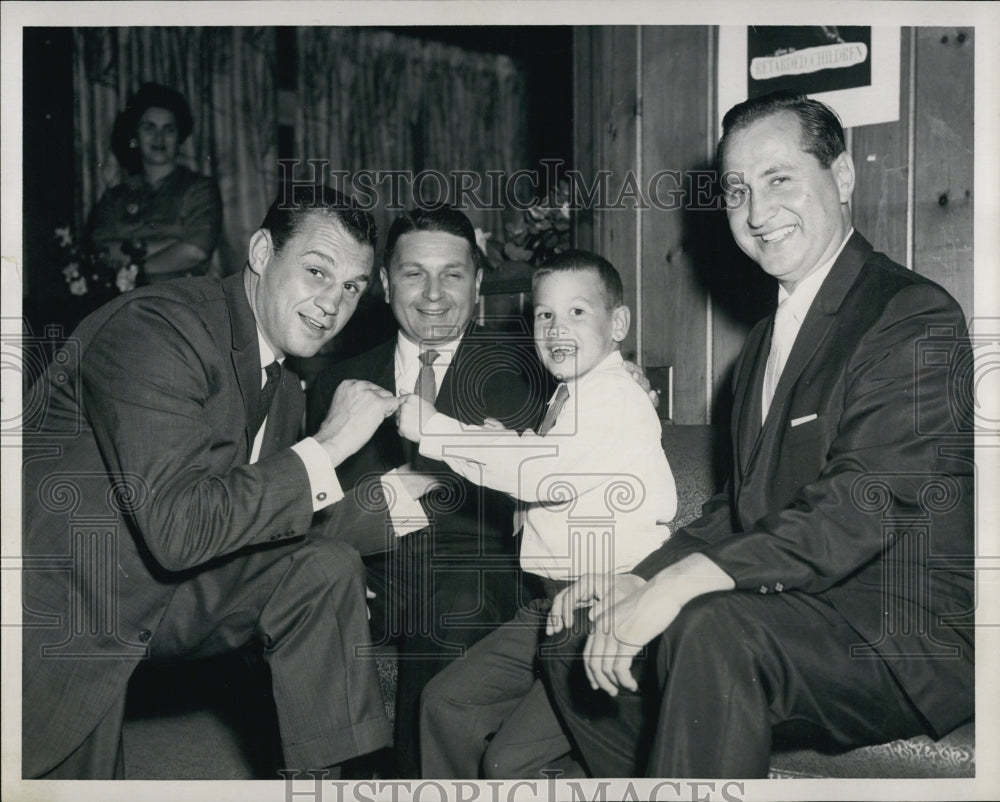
(624, 627)
(412, 413)
(596, 591)
(357, 410)
(640, 378)
(620, 631)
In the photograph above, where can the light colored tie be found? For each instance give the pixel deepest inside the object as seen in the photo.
(782, 338)
(426, 386)
(555, 407)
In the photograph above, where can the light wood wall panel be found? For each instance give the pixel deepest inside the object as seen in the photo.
(943, 143)
(674, 310)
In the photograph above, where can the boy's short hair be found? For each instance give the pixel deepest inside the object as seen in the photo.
(566, 261)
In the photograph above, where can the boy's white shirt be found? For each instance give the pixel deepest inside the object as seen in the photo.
(594, 487)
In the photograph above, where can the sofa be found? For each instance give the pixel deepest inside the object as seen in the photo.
(164, 745)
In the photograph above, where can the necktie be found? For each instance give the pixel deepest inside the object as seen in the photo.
(426, 388)
(781, 344)
(267, 392)
(555, 407)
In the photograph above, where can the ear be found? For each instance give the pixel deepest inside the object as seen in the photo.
(843, 173)
(261, 249)
(479, 281)
(621, 319)
(383, 274)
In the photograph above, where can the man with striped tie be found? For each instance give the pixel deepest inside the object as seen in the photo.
(453, 577)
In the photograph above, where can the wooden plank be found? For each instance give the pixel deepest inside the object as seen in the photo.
(586, 144)
(880, 162)
(675, 77)
(943, 203)
(615, 229)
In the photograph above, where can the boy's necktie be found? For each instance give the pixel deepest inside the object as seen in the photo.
(555, 407)
(267, 392)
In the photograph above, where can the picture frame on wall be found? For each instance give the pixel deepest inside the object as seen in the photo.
(855, 69)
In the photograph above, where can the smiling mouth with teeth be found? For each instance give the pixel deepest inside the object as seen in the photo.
(778, 235)
(560, 352)
(312, 323)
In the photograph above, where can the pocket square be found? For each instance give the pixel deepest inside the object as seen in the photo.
(803, 419)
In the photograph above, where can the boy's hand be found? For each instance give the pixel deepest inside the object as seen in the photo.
(412, 413)
(640, 378)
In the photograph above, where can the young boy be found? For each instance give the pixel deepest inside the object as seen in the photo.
(597, 492)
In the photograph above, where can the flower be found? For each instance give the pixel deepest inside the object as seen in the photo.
(106, 278)
(482, 237)
(542, 232)
(125, 280)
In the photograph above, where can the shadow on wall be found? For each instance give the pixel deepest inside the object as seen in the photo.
(741, 295)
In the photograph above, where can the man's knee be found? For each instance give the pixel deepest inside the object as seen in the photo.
(505, 761)
(709, 629)
(326, 562)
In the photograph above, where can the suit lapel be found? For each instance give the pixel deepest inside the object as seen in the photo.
(445, 402)
(387, 441)
(747, 393)
(814, 329)
(245, 350)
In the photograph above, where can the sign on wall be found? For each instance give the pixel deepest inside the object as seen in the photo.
(853, 68)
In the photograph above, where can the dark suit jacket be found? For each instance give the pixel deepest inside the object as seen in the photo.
(869, 504)
(492, 375)
(139, 474)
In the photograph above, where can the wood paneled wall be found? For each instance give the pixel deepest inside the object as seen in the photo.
(644, 110)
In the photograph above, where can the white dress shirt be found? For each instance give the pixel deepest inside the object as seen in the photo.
(406, 513)
(597, 488)
(408, 362)
(798, 303)
(324, 487)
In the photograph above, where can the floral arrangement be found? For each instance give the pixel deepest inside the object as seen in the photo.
(542, 232)
(87, 270)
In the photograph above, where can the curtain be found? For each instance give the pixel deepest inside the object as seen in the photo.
(374, 100)
(227, 77)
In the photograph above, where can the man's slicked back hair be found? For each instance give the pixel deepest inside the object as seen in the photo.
(445, 219)
(822, 132)
(297, 201)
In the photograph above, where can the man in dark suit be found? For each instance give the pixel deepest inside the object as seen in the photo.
(168, 505)
(828, 590)
(454, 576)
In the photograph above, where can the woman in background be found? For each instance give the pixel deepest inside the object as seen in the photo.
(163, 220)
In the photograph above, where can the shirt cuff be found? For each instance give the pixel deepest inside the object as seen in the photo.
(405, 512)
(440, 431)
(323, 484)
